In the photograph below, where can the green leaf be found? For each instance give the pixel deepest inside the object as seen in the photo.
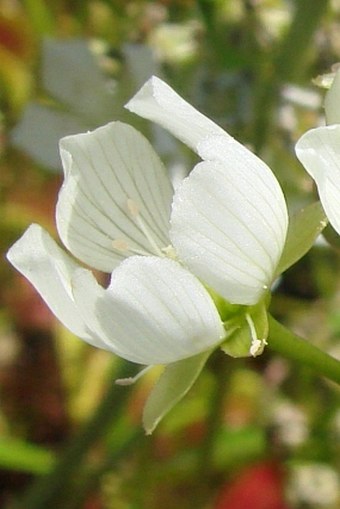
(304, 227)
(25, 457)
(173, 384)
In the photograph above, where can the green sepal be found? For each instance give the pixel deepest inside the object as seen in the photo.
(226, 310)
(304, 228)
(173, 384)
(332, 237)
(239, 342)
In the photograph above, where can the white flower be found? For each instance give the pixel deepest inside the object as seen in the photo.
(225, 225)
(319, 151)
(315, 484)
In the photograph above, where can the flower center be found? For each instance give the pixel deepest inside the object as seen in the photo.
(123, 246)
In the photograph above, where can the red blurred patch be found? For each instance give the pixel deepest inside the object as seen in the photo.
(27, 307)
(15, 36)
(94, 502)
(257, 487)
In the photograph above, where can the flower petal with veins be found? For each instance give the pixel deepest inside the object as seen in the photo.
(158, 102)
(50, 269)
(104, 171)
(217, 216)
(153, 312)
(319, 152)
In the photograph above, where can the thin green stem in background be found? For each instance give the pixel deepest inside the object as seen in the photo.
(47, 491)
(293, 347)
(207, 9)
(292, 59)
(287, 64)
(90, 480)
(214, 415)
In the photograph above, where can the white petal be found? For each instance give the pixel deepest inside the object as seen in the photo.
(229, 221)
(319, 152)
(154, 311)
(49, 269)
(103, 170)
(158, 102)
(332, 101)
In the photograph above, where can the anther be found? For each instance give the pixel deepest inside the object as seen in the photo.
(120, 245)
(132, 207)
(170, 252)
(123, 247)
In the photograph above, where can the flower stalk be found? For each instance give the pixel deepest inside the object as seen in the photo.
(297, 349)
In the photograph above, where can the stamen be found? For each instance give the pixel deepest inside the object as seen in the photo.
(132, 379)
(144, 229)
(123, 247)
(257, 345)
(134, 211)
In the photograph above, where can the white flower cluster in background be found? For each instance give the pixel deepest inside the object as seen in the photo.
(314, 484)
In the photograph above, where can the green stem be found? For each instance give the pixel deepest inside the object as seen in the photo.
(207, 8)
(292, 59)
(46, 492)
(90, 481)
(293, 347)
(288, 65)
(214, 416)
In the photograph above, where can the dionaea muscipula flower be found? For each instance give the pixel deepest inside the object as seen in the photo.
(319, 151)
(224, 228)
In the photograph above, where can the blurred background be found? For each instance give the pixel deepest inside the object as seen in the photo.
(253, 433)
